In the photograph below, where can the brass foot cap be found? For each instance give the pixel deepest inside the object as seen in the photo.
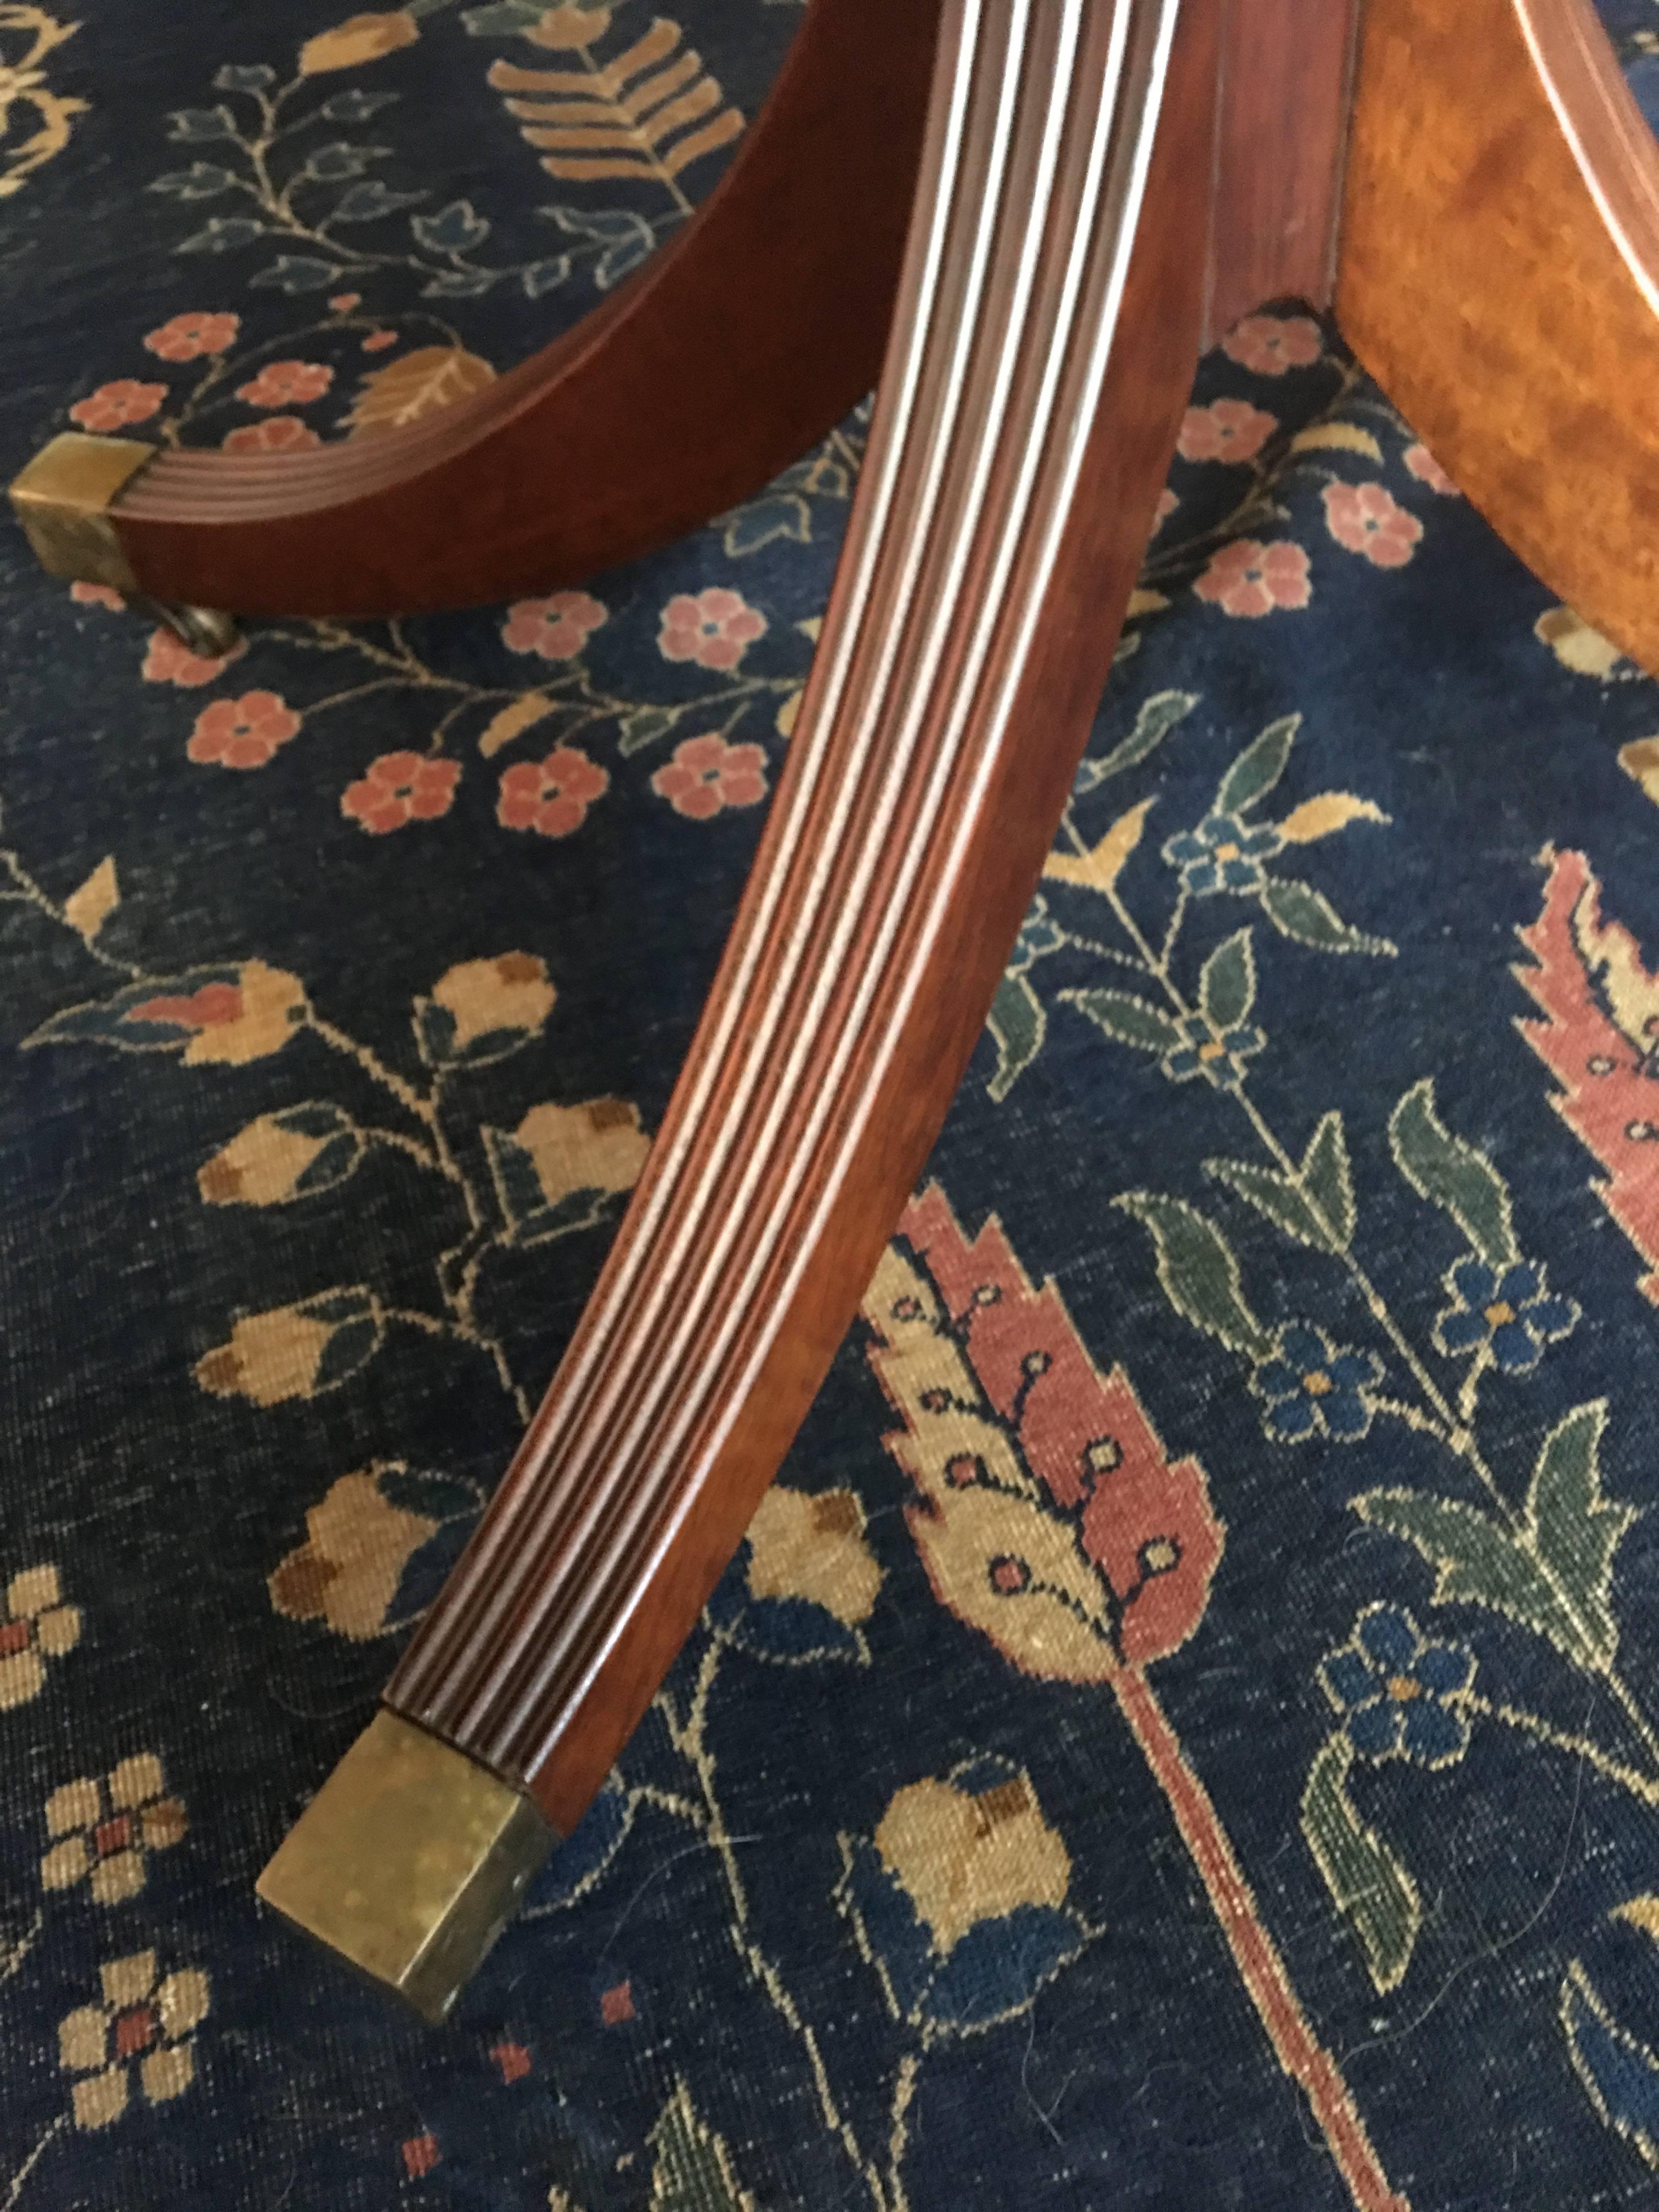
(407, 1863)
(63, 499)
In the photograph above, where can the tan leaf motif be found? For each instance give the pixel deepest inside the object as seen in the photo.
(419, 383)
(87, 909)
(1338, 438)
(1144, 603)
(1640, 762)
(651, 113)
(518, 715)
(1642, 1912)
(1575, 644)
(1100, 869)
(1328, 810)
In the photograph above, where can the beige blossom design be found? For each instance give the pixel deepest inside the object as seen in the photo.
(141, 2032)
(106, 1827)
(36, 1626)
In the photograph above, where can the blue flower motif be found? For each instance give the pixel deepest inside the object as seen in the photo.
(1312, 1389)
(1401, 1694)
(1223, 854)
(1510, 1309)
(1039, 933)
(1218, 1055)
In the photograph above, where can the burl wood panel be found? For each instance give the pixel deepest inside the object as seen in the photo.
(1500, 242)
(724, 357)
(1040, 363)
(1281, 133)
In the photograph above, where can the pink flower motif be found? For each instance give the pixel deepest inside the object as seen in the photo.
(114, 405)
(1270, 344)
(1248, 578)
(399, 788)
(1370, 520)
(1225, 430)
(98, 595)
(1167, 504)
(706, 774)
(167, 661)
(277, 433)
(1425, 467)
(550, 796)
(287, 384)
(343, 302)
(557, 629)
(378, 341)
(715, 628)
(242, 733)
(186, 338)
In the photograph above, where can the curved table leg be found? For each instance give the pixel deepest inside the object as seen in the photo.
(1041, 359)
(733, 350)
(1499, 277)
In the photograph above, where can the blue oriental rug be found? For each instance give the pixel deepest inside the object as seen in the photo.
(1184, 1731)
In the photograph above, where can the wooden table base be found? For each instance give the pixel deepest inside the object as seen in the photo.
(1099, 184)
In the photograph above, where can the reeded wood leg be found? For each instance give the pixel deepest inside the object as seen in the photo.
(1041, 357)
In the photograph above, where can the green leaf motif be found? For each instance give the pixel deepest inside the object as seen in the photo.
(1368, 1884)
(1574, 1529)
(693, 2170)
(1453, 1175)
(1018, 1022)
(1327, 1180)
(1298, 910)
(1476, 1562)
(1156, 718)
(1279, 1196)
(1198, 1271)
(1129, 1020)
(1258, 767)
(1226, 987)
(644, 726)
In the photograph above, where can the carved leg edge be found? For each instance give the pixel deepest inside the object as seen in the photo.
(1040, 361)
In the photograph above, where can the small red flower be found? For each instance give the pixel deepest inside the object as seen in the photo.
(1248, 578)
(512, 2059)
(113, 405)
(277, 433)
(550, 796)
(242, 733)
(343, 302)
(399, 788)
(557, 629)
(378, 341)
(1270, 344)
(186, 338)
(706, 774)
(98, 595)
(1225, 430)
(1167, 504)
(1368, 519)
(715, 628)
(167, 661)
(287, 384)
(617, 2004)
(1425, 467)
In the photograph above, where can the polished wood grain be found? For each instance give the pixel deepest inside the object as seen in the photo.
(1281, 135)
(1040, 365)
(735, 348)
(1499, 277)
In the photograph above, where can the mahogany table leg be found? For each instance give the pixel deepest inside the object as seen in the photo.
(1041, 359)
(746, 338)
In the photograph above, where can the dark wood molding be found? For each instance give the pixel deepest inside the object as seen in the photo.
(1041, 361)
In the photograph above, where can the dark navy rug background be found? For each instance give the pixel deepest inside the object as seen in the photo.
(304, 1194)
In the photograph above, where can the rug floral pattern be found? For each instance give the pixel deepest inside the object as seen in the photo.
(1184, 1727)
